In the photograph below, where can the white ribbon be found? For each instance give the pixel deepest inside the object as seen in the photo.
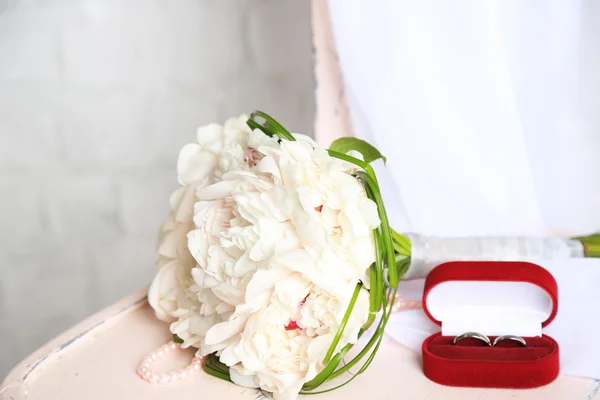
(430, 251)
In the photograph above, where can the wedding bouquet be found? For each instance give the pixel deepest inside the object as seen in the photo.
(278, 256)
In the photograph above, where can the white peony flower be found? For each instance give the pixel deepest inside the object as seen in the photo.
(283, 346)
(172, 293)
(282, 235)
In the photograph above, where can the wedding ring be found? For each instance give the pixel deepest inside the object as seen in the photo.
(514, 338)
(474, 335)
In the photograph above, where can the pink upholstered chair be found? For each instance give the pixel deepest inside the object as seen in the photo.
(98, 358)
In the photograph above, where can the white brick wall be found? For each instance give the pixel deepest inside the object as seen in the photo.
(96, 98)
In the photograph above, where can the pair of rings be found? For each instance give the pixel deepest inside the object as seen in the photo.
(487, 341)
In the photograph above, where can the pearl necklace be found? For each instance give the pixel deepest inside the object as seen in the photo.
(145, 369)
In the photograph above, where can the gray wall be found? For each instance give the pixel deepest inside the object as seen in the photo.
(96, 98)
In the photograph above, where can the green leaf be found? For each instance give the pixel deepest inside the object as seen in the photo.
(214, 367)
(269, 125)
(177, 339)
(368, 151)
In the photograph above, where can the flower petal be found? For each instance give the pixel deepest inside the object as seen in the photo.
(224, 330)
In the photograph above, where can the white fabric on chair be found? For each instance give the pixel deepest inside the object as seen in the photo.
(488, 114)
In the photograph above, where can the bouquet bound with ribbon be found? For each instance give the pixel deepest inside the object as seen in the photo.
(278, 257)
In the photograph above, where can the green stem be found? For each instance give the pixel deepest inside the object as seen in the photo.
(361, 354)
(378, 289)
(591, 244)
(214, 367)
(323, 375)
(592, 250)
(384, 229)
(342, 326)
(372, 299)
(402, 244)
(376, 340)
(376, 272)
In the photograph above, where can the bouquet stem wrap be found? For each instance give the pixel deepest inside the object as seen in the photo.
(429, 251)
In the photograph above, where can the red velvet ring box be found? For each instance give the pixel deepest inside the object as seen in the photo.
(492, 298)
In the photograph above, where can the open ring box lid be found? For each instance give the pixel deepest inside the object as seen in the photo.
(493, 298)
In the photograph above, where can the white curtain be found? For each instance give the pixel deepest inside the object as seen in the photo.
(488, 111)
(489, 115)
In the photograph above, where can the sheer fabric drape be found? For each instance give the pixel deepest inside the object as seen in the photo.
(489, 114)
